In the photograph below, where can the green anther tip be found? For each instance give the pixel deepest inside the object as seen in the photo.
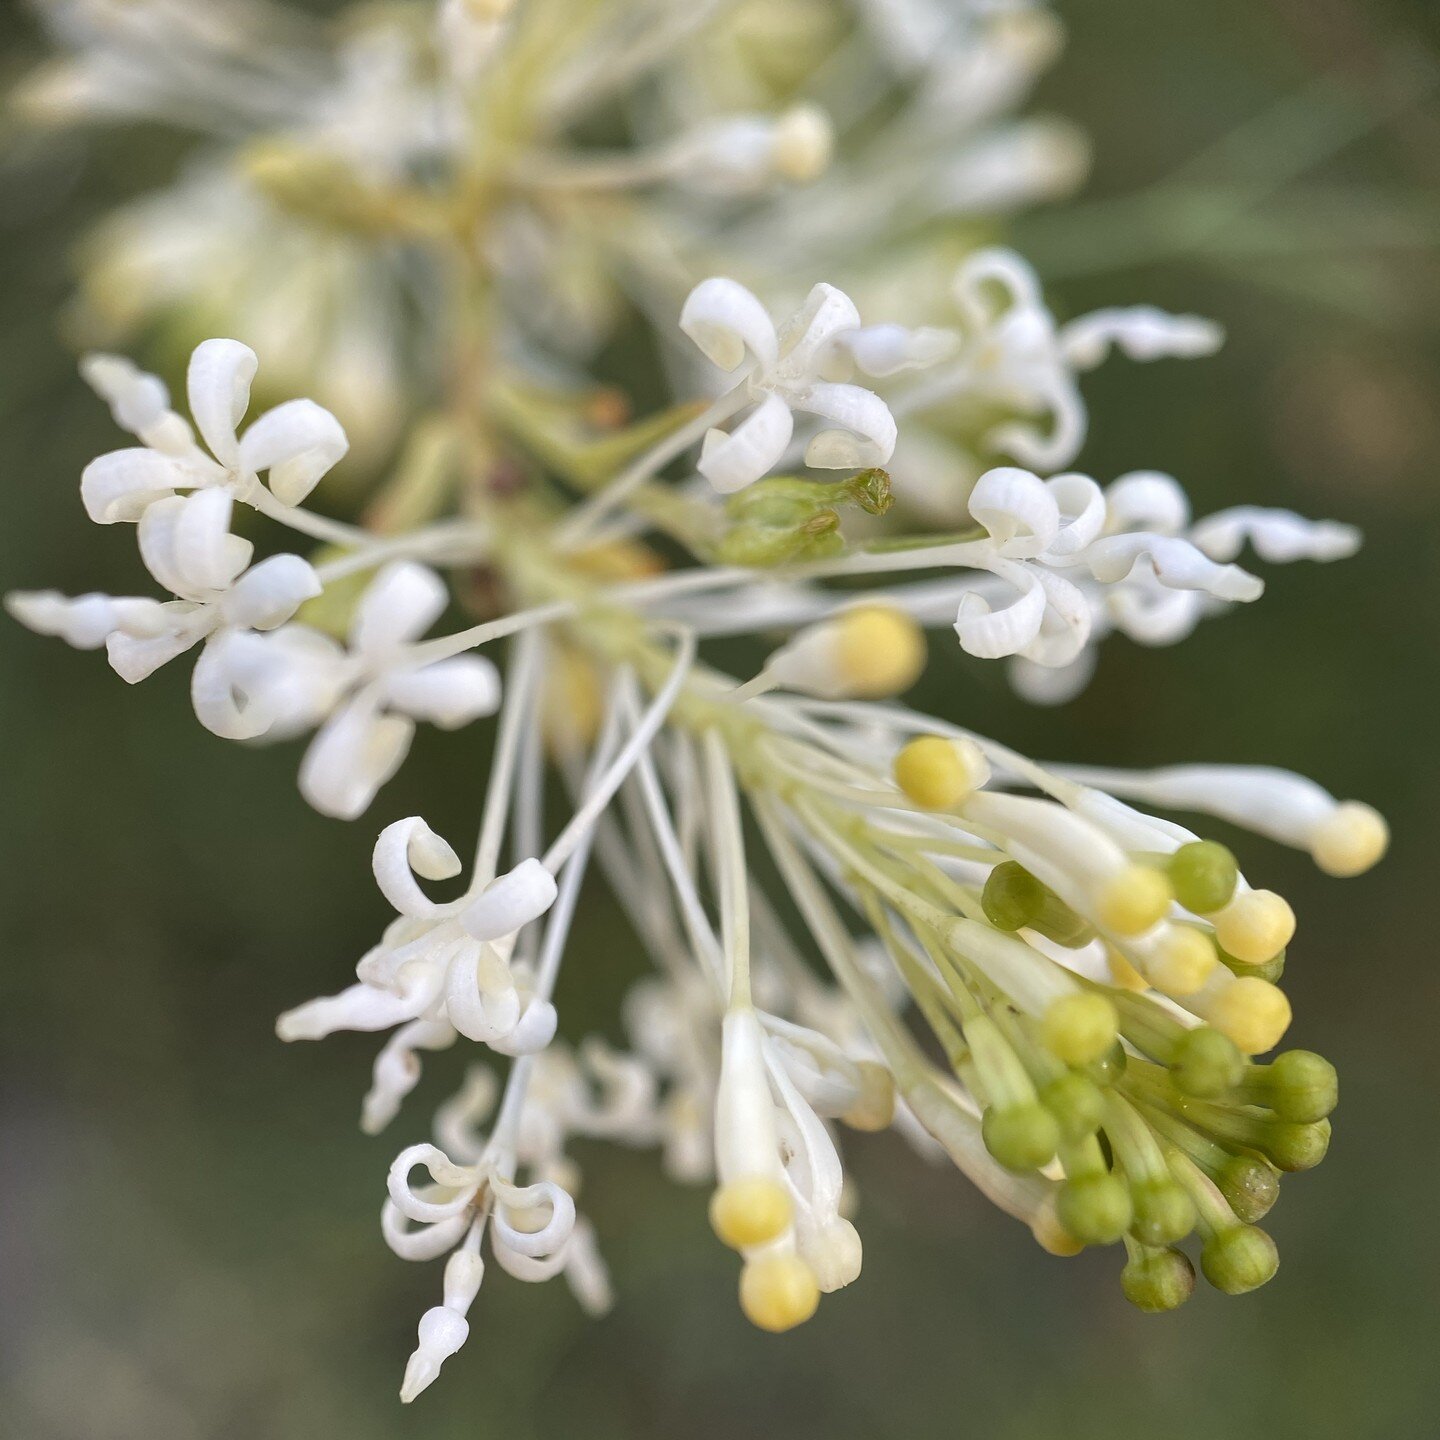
(1240, 1259)
(1296, 1147)
(1095, 1209)
(1164, 1213)
(1158, 1281)
(1301, 1086)
(1203, 876)
(1012, 896)
(1021, 1137)
(1206, 1064)
(1076, 1103)
(1250, 1187)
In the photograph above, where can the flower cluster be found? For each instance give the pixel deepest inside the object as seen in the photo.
(1013, 964)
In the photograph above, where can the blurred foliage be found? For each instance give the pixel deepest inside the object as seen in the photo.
(191, 1246)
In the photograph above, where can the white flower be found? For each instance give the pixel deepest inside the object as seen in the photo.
(295, 443)
(728, 323)
(442, 963)
(369, 695)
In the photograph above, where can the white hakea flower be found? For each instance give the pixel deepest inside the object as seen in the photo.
(728, 323)
(446, 964)
(369, 695)
(189, 549)
(744, 154)
(293, 444)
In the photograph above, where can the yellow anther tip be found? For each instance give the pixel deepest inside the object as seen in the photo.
(874, 1107)
(880, 651)
(750, 1212)
(1255, 926)
(1134, 900)
(938, 774)
(1080, 1028)
(1183, 961)
(1350, 840)
(778, 1292)
(1122, 972)
(1254, 1013)
(804, 142)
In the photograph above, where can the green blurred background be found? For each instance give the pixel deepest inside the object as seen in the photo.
(190, 1244)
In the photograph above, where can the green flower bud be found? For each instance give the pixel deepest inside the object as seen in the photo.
(1079, 1028)
(1250, 1187)
(1021, 1137)
(1271, 969)
(1203, 876)
(1296, 1147)
(1076, 1103)
(1158, 1280)
(1240, 1259)
(1012, 896)
(1095, 1209)
(1206, 1063)
(1164, 1213)
(1298, 1085)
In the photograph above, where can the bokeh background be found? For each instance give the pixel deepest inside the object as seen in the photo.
(189, 1244)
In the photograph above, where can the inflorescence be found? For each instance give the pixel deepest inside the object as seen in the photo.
(1021, 968)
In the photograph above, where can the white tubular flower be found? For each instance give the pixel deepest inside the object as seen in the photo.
(1344, 837)
(294, 444)
(1142, 333)
(746, 154)
(727, 322)
(431, 967)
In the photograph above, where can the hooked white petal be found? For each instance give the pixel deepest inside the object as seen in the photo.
(1018, 509)
(1176, 563)
(990, 634)
(407, 848)
(269, 594)
(297, 442)
(462, 1181)
(1081, 504)
(448, 693)
(1146, 500)
(137, 400)
(525, 1201)
(218, 387)
(420, 1242)
(87, 621)
(1142, 332)
(402, 602)
(881, 350)
(481, 1000)
(134, 658)
(186, 544)
(867, 433)
(354, 754)
(358, 1007)
(725, 320)
(123, 484)
(511, 901)
(808, 335)
(751, 450)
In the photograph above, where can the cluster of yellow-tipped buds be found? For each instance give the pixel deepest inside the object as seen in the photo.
(868, 652)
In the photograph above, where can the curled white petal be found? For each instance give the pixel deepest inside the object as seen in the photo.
(407, 848)
(867, 428)
(354, 754)
(882, 350)
(360, 1007)
(1081, 504)
(396, 1071)
(402, 602)
(725, 320)
(989, 634)
(135, 658)
(297, 442)
(1176, 563)
(750, 450)
(1017, 508)
(481, 1000)
(462, 1181)
(1146, 500)
(87, 621)
(448, 693)
(123, 484)
(807, 336)
(269, 594)
(420, 1242)
(186, 544)
(516, 1209)
(510, 902)
(532, 1032)
(137, 400)
(217, 385)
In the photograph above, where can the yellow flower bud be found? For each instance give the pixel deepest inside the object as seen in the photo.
(778, 1292)
(1134, 900)
(938, 773)
(880, 651)
(1350, 840)
(1255, 926)
(750, 1212)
